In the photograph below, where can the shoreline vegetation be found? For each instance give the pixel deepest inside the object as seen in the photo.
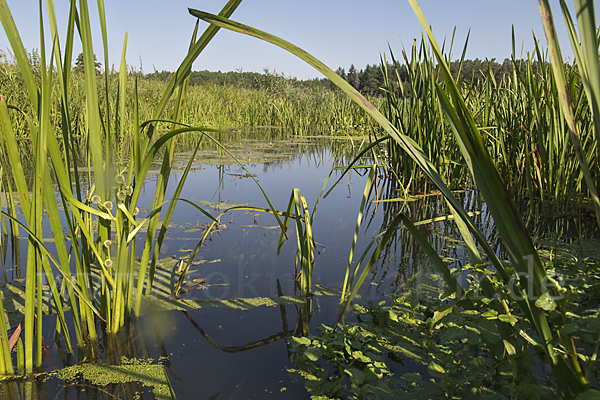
(514, 102)
(524, 131)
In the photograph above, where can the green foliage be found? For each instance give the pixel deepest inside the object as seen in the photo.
(525, 263)
(79, 64)
(271, 100)
(359, 368)
(105, 213)
(459, 342)
(517, 111)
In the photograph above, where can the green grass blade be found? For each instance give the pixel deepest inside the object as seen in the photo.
(6, 366)
(590, 68)
(19, 51)
(361, 209)
(93, 122)
(565, 100)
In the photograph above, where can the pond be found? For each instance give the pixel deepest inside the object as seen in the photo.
(225, 336)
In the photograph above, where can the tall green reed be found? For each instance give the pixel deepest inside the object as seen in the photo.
(585, 48)
(302, 111)
(102, 222)
(519, 115)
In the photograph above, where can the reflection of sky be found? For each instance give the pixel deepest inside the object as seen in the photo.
(249, 265)
(249, 254)
(243, 351)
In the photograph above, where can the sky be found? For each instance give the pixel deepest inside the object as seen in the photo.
(338, 32)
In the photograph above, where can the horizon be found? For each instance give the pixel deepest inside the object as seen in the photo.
(333, 40)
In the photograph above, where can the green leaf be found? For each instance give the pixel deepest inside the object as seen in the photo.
(453, 334)
(360, 356)
(479, 363)
(299, 341)
(511, 319)
(591, 394)
(435, 370)
(490, 314)
(593, 324)
(569, 329)
(372, 373)
(546, 302)
(314, 353)
(357, 377)
(489, 331)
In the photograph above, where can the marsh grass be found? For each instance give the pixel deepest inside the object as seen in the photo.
(519, 116)
(303, 111)
(101, 219)
(482, 139)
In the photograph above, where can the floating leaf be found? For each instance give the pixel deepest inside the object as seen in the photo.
(360, 356)
(314, 353)
(435, 370)
(299, 341)
(192, 230)
(356, 376)
(372, 373)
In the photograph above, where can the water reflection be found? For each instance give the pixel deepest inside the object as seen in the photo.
(229, 353)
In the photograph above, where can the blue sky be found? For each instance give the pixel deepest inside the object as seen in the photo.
(339, 33)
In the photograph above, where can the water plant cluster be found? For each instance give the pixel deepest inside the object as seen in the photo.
(518, 115)
(534, 134)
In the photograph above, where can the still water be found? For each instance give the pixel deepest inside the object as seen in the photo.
(239, 353)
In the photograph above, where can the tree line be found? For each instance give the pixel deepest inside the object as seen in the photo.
(368, 81)
(474, 72)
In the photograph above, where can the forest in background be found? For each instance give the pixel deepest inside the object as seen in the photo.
(368, 81)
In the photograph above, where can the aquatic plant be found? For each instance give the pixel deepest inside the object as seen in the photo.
(103, 285)
(524, 278)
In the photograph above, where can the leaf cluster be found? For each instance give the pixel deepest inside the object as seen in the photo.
(346, 363)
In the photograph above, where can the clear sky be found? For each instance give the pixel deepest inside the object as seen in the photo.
(338, 32)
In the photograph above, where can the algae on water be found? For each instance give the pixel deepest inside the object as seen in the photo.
(130, 370)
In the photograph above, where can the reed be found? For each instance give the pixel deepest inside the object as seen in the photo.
(519, 116)
(101, 219)
(303, 111)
